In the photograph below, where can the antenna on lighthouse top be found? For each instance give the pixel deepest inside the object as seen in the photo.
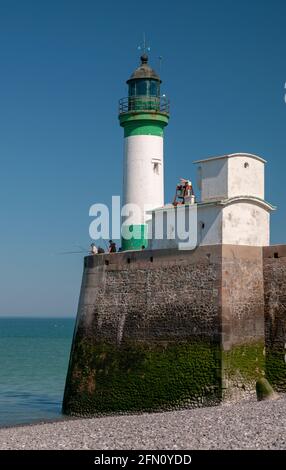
(160, 64)
(143, 47)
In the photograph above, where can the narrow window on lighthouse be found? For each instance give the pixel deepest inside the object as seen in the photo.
(156, 168)
(156, 162)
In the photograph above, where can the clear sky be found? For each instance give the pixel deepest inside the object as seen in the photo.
(63, 66)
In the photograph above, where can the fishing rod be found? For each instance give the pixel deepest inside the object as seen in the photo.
(82, 250)
(71, 252)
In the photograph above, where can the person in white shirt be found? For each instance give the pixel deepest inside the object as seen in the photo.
(93, 249)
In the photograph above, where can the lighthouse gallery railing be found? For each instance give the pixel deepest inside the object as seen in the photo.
(159, 104)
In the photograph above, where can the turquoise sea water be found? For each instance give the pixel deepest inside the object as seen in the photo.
(34, 354)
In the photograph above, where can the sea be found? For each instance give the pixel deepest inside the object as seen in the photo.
(34, 356)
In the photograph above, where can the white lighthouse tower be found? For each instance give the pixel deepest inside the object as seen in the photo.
(143, 115)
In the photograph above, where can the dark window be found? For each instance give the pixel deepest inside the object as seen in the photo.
(154, 88)
(144, 88)
(132, 89)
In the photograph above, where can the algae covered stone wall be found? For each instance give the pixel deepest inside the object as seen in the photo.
(164, 329)
(141, 376)
(275, 315)
(242, 365)
(147, 334)
(243, 358)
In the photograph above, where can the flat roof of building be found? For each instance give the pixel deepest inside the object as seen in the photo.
(243, 154)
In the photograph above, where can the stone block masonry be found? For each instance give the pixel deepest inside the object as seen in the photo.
(275, 315)
(148, 333)
(242, 319)
(165, 329)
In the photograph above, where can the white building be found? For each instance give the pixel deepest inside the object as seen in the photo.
(231, 209)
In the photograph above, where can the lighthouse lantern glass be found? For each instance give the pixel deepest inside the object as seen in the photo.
(144, 87)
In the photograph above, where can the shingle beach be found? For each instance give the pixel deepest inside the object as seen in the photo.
(245, 425)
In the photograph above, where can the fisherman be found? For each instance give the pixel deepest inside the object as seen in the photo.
(100, 250)
(112, 247)
(93, 249)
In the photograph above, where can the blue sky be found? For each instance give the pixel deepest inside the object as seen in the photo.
(63, 66)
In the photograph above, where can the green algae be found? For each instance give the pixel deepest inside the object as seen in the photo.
(138, 376)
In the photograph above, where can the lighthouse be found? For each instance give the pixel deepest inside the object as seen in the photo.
(143, 114)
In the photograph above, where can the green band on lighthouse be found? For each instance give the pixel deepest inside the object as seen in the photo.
(143, 128)
(143, 123)
(139, 237)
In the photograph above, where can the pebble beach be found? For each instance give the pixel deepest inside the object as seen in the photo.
(244, 425)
